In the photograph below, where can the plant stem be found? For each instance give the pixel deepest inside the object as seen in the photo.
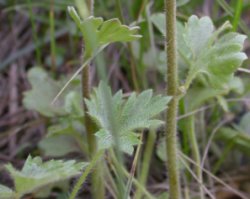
(172, 90)
(223, 156)
(98, 189)
(132, 60)
(127, 174)
(83, 177)
(34, 34)
(52, 36)
(86, 94)
(120, 178)
(119, 10)
(146, 161)
(195, 150)
(133, 168)
(89, 125)
(236, 19)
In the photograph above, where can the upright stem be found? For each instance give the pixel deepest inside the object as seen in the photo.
(98, 189)
(172, 90)
(34, 34)
(52, 36)
(238, 11)
(89, 125)
(83, 177)
(195, 150)
(147, 155)
(132, 60)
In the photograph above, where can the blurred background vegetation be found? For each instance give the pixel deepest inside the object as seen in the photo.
(40, 33)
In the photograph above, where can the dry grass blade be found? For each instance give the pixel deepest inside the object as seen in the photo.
(230, 188)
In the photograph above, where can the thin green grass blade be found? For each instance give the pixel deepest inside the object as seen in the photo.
(237, 15)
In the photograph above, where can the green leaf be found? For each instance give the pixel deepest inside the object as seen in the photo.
(236, 84)
(104, 139)
(205, 93)
(182, 2)
(239, 135)
(36, 174)
(98, 33)
(6, 192)
(245, 123)
(239, 139)
(126, 142)
(202, 94)
(44, 90)
(163, 196)
(214, 54)
(161, 151)
(159, 21)
(73, 104)
(64, 145)
(45, 192)
(118, 118)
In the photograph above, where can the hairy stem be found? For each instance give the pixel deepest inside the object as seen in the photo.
(172, 90)
(98, 189)
(195, 150)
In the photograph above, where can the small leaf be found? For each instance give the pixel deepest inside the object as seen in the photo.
(72, 104)
(245, 123)
(36, 174)
(239, 139)
(42, 93)
(202, 94)
(182, 2)
(6, 192)
(98, 33)
(239, 136)
(128, 141)
(161, 152)
(104, 138)
(117, 117)
(236, 84)
(44, 90)
(64, 145)
(45, 192)
(223, 103)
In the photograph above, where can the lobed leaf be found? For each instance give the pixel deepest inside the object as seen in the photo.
(43, 91)
(214, 54)
(6, 192)
(118, 119)
(98, 33)
(36, 174)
